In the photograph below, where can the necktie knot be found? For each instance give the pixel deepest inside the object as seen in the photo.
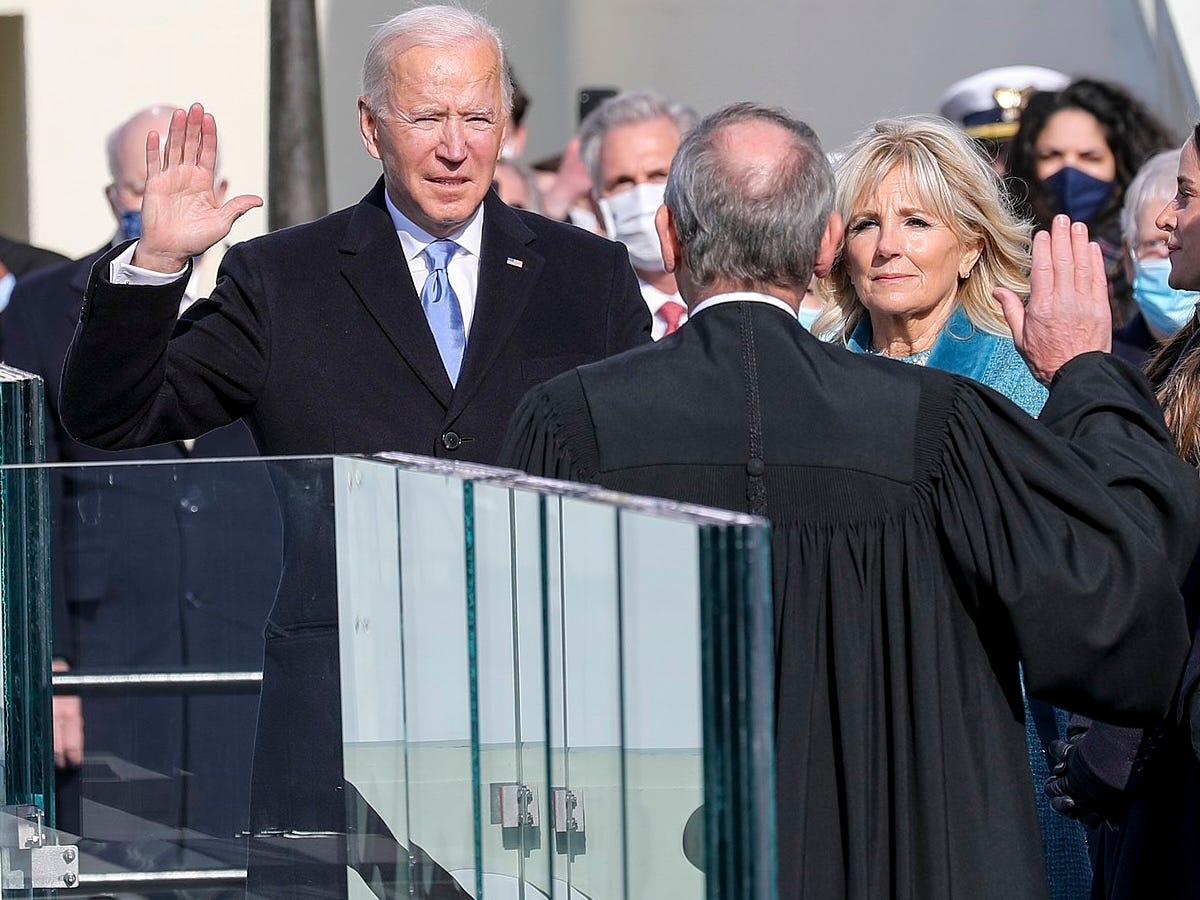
(671, 312)
(439, 254)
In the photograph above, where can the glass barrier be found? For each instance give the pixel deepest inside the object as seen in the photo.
(398, 677)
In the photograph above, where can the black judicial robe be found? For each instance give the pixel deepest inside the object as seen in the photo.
(928, 536)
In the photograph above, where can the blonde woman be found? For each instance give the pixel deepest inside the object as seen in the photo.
(929, 235)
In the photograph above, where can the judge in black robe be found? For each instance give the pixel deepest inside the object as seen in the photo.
(928, 536)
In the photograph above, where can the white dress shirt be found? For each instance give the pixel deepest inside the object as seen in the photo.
(463, 268)
(744, 297)
(654, 300)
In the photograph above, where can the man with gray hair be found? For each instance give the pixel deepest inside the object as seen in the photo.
(929, 538)
(412, 321)
(627, 144)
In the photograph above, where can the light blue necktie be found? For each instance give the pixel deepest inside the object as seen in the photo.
(442, 310)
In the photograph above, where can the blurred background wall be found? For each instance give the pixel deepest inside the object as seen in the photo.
(70, 70)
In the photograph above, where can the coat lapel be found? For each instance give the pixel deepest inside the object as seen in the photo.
(374, 266)
(509, 269)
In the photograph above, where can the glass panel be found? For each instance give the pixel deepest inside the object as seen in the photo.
(512, 796)
(662, 709)
(506, 649)
(589, 766)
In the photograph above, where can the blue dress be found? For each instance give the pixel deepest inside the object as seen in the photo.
(963, 349)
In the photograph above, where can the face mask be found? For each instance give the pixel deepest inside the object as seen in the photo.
(583, 218)
(629, 218)
(1078, 194)
(131, 224)
(808, 317)
(1166, 309)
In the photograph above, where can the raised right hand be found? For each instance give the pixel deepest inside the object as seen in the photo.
(180, 214)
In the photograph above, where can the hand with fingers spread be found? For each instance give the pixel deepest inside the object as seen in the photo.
(181, 214)
(1068, 311)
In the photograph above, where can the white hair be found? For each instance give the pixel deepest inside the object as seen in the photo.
(429, 26)
(1154, 180)
(628, 108)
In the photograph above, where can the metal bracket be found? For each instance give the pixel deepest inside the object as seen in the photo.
(29, 860)
(568, 811)
(514, 805)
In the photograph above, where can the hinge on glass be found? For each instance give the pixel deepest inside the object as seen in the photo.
(568, 811)
(514, 805)
(29, 860)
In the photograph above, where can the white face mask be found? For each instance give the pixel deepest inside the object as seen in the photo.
(629, 218)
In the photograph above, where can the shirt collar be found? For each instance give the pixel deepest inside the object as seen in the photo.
(743, 297)
(414, 239)
(655, 298)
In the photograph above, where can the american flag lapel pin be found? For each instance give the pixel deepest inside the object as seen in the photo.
(515, 263)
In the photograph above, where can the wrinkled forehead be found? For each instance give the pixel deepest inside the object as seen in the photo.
(454, 74)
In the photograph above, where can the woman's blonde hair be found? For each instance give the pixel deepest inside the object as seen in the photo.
(953, 179)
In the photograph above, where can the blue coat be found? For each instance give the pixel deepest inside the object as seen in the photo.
(963, 349)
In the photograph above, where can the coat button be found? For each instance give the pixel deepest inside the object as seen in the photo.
(755, 467)
(451, 440)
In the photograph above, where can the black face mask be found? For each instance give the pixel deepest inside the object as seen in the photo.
(1079, 195)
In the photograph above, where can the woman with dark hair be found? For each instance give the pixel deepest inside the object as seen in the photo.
(1076, 152)
(1140, 790)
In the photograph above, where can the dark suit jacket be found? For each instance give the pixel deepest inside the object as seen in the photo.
(153, 568)
(316, 335)
(23, 258)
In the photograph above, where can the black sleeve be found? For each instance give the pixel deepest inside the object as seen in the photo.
(136, 376)
(551, 433)
(1080, 526)
(628, 316)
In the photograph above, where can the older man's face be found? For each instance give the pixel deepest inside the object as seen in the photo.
(638, 153)
(440, 136)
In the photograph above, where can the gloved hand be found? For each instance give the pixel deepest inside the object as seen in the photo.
(1074, 789)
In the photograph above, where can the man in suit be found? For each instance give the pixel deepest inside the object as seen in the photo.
(928, 537)
(17, 259)
(627, 143)
(413, 321)
(202, 603)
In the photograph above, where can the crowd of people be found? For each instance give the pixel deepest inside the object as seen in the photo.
(919, 356)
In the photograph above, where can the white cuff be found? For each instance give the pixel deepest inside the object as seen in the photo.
(122, 271)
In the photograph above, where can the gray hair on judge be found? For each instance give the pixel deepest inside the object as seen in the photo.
(740, 223)
(429, 26)
(1155, 182)
(628, 108)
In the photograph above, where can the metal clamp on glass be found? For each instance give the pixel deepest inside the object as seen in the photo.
(514, 806)
(29, 861)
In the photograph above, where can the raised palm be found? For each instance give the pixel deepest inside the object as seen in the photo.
(181, 216)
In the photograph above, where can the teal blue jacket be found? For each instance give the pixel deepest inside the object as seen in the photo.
(963, 349)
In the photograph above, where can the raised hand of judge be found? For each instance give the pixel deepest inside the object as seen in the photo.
(182, 215)
(1067, 312)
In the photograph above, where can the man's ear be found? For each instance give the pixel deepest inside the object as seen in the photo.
(110, 197)
(668, 237)
(367, 125)
(827, 251)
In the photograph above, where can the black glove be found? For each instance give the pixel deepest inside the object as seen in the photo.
(1074, 789)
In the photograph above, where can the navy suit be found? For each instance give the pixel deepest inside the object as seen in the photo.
(153, 568)
(316, 335)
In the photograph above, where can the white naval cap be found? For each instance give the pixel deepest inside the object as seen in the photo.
(988, 104)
